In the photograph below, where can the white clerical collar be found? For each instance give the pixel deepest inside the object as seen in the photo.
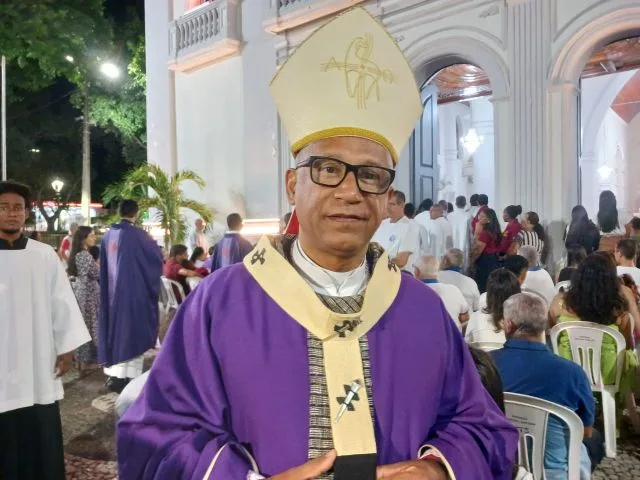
(326, 282)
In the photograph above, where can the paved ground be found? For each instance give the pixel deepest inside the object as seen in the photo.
(89, 433)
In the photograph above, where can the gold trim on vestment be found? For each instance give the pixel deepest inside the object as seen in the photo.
(353, 434)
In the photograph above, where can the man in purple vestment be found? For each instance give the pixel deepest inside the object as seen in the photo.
(316, 357)
(130, 270)
(233, 247)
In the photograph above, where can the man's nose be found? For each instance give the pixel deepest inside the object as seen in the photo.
(349, 189)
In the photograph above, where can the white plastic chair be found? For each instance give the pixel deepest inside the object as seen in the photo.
(585, 339)
(169, 285)
(486, 346)
(530, 416)
(562, 286)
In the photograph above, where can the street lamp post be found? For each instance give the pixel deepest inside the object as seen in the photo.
(110, 71)
(57, 186)
(3, 127)
(86, 161)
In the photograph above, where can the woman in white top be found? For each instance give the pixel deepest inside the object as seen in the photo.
(485, 325)
(532, 233)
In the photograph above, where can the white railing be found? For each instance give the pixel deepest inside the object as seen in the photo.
(281, 15)
(203, 27)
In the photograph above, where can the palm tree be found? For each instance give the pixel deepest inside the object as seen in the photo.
(154, 189)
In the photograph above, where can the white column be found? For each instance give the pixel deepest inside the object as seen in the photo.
(505, 169)
(484, 158)
(161, 96)
(528, 40)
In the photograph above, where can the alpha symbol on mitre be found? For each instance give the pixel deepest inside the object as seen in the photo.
(362, 75)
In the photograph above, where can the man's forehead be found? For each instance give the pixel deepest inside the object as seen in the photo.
(12, 198)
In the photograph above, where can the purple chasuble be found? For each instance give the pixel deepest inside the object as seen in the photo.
(231, 249)
(229, 391)
(130, 270)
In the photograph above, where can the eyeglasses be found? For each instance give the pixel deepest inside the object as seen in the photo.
(6, 209)
(330, 172)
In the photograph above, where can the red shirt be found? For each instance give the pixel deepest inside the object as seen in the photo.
(489, 241)
(509, 235)
(170, 271)
(474, 222)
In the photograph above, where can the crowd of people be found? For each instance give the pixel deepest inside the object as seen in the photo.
(317, 353)
(493, 283)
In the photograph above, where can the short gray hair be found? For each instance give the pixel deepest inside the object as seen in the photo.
(527, 312)
(531, 254)
(427, 265)
(455, 257)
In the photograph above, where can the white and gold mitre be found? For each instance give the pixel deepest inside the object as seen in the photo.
(349, 78)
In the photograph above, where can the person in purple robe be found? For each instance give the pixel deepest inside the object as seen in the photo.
(316, 357)
(130, 270)
(233, 247)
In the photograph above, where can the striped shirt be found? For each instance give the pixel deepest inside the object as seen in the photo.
(531, 239)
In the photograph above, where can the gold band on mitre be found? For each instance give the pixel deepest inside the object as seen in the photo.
(346, 132)
(349, 78)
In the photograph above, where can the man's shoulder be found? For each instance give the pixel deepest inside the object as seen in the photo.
(41, 247)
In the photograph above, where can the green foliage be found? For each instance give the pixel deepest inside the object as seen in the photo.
(122, 110)
(162, 196)
(36, 36)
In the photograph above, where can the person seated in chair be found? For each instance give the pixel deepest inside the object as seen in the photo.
(176, 268)
(528, 367)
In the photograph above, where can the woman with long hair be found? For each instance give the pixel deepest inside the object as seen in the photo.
(85, 269)
(532, 233)
(485, 325)
(608, 221)
(582, 231)
(486, 246)
(508, 243)
(198, 256)
(596, 295)
(576, 254)
(611, 232)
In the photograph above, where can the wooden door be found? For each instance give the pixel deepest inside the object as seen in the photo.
(425, 149)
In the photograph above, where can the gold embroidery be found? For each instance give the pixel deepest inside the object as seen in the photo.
(362, 75)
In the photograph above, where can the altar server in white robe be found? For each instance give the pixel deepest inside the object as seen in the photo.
(459, 220)
(41, 327)
(439, 232)
(398, 235)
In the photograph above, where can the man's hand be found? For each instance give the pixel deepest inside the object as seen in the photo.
(310, 470)
(413, 470)
(63, 364)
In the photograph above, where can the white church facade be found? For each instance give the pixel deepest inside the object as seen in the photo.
(209, 64)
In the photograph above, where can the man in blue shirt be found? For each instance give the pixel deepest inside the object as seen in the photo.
(527, 366)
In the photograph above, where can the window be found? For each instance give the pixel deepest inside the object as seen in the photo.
(191, 4)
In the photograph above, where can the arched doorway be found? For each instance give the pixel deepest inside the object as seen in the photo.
(610, 126)
(452, 149)
(595, 28)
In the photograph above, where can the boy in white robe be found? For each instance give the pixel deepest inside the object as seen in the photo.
(41, 327)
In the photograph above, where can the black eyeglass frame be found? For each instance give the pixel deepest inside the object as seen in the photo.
(349, 168)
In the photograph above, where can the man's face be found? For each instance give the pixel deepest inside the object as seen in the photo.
(617, 255)
(181, 257)
(395, 209)
(199, 225)
(340, 220)
(13, 213)
(435, 212)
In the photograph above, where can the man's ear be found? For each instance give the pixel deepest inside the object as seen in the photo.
(508, 326)
(290, 183)
(390, 193)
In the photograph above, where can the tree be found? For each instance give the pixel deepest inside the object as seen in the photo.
(37, 37)
(156, 191)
